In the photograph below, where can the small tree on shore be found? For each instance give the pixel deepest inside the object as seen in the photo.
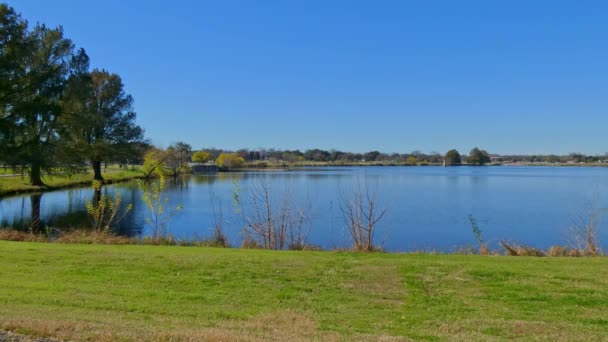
(361, 216)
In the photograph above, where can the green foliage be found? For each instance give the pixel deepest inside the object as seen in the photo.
(101, 125)
(453, 158)
(230, 160)
(478, 157)
(53, 112)
(158, 213)
(201, 157)
(103, 209)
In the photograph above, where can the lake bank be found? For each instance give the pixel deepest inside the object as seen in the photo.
(15, 185)
(147, 292)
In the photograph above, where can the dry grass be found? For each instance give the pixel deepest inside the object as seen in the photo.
(513, 249)
(16, 235)
(279, 326)
(561, 251)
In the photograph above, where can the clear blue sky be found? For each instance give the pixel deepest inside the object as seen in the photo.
(396, 76)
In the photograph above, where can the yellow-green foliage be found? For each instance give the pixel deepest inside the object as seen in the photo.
(103, 210)
(230, 160)
(201, 157)
(153, 162)
(152, 196)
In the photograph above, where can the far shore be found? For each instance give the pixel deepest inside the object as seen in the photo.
(18, 184)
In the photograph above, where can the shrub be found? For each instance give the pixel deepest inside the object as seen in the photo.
(230, 160)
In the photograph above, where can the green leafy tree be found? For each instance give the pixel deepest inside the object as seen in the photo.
(453, 158)
(12, 46)
(103, 123)
(43, 72)
(184, 151)
(478, 157)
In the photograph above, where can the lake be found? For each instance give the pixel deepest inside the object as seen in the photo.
(426, 207)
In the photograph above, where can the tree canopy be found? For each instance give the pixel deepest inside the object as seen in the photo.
(53, 111)
(453, 158)
(478, 157)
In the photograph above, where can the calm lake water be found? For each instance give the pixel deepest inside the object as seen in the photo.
(427, 207)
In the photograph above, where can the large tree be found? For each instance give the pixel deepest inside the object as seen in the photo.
(44, 66)
(13, 30)
(478, 157)
(453, 158)
(102, 126)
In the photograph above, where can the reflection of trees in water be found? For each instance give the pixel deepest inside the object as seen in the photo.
(178, 182)
(35, 223)
(73, 215)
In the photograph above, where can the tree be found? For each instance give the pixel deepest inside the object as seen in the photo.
(184, 151)
(154, 162)
(230, 160)
(42, 72)
(478, 157)
(411, 160)
(103, 124)
(201, 157)
(453, 158)
(12, 40)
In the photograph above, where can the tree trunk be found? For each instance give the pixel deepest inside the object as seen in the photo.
(97, 170)
(36, 173)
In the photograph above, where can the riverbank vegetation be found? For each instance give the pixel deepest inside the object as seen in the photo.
(16, 184)
(109, 293)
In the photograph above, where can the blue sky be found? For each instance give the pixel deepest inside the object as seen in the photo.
(507, 76)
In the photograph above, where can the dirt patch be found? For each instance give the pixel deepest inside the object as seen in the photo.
(279, 326)
(7, 336)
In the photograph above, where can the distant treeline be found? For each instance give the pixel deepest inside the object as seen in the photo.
(319, 155)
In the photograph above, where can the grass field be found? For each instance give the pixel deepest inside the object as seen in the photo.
(20, 184)
(100, 292)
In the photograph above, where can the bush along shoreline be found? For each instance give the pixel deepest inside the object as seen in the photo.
(91, 236)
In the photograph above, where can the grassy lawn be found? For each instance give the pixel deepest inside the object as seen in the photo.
(101, 292)
(19, 184)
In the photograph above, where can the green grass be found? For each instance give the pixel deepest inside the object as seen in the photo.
(20, 184)
(103, 292)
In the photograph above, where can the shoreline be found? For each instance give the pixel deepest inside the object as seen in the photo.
(109, 238)
(29, 189)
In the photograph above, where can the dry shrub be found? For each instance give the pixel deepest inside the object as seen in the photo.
(85, 236)
(584, 231)
(275, 225)
(161, 240)
(512, 249)
(484, 250)
(361, 216)
(16, 235)
(561, 251)
(250, 243)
